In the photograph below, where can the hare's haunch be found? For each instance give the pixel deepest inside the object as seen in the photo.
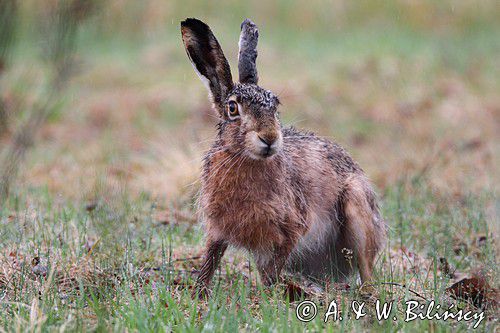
(294, 200)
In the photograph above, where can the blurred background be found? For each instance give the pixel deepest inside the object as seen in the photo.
(103, 125)
(98, 96)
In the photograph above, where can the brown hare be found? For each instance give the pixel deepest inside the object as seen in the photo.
(294, 200)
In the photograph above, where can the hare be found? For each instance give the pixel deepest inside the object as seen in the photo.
(294, 200)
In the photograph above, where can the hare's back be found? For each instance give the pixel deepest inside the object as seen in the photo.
(311, 152)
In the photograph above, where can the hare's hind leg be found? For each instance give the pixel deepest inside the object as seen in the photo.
(360, 232)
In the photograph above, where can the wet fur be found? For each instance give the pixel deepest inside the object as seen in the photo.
(306, 207)
(311, 197)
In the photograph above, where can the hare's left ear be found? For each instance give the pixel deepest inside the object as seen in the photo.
(207, 58)
(247, 55)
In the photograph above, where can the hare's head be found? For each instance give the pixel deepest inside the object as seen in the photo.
(248, 113)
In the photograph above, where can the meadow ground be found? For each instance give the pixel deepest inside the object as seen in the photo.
(100, 229)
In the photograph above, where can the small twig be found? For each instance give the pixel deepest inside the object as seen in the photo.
(187, 259)
(402, 286)
(159, 268)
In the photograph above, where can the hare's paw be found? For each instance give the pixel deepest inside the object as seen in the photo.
(201, 292)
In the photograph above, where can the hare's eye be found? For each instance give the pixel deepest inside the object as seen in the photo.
(232, 109)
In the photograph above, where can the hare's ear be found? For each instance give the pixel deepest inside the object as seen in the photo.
(247, 55)
(207, 58)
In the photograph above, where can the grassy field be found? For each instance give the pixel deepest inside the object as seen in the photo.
(100, 232)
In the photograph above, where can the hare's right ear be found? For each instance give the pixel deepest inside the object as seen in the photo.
(207, 58)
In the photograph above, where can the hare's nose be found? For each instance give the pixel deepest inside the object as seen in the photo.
(268, 141)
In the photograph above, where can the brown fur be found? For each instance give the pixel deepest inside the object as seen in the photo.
(292, 199)
(268, 207)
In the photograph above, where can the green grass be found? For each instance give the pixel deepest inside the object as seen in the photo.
(114, 287)
(411, 93)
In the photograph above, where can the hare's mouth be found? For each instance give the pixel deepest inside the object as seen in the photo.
(263, 148)
(262, 155)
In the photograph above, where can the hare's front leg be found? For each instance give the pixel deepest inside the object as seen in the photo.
(215, 251)
(270, 268)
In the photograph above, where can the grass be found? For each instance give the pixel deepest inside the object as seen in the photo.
(118, 268)
(98, 233)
